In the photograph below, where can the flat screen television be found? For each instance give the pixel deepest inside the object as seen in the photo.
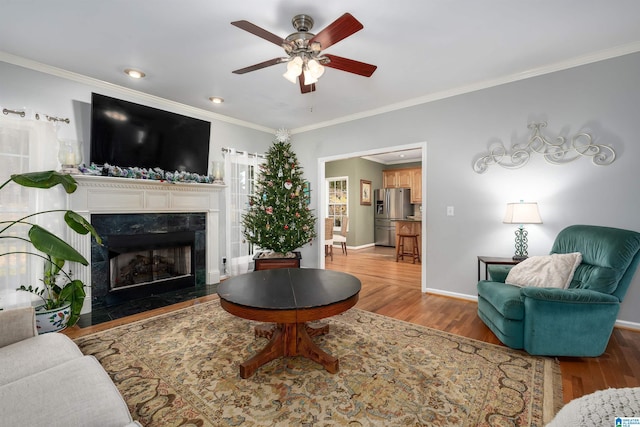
(126, 134)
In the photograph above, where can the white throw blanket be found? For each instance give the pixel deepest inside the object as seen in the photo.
(545, 271)
(599, 409)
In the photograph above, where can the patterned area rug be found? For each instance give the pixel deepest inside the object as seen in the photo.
(181, 368)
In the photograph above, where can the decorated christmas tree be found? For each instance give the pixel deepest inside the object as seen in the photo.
(279, 218)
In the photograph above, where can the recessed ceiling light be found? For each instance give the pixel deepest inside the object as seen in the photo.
(216, 100)
(134, 74)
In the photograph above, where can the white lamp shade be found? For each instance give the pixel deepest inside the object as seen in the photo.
(315, 68)
(291, 76)
(309, 79)
(522, 213)
(294, 68)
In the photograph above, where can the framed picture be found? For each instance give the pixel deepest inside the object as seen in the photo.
(365, 192)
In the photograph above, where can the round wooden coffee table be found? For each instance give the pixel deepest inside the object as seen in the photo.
(289, 297)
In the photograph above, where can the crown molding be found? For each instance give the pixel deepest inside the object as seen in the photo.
(577, 61)
(485, 84)
(80, 78)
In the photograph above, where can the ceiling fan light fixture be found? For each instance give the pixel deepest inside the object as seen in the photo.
(292, 77)
(304, 50)
(296, 62)
(315, 68)
(294, 68)
(309, 79)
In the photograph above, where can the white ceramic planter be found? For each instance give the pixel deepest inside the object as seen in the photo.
(52, 320)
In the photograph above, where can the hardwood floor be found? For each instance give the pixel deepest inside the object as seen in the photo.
(393, 289)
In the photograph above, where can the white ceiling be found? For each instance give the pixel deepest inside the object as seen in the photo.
(424, 49)
(396, 157)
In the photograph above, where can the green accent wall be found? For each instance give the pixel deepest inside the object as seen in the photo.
(361, 224)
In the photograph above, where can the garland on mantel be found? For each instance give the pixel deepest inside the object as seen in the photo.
(156, 174)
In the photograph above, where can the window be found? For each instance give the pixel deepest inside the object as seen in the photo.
(241, 169)
(337, 200)
(14, 158)
(25, 145)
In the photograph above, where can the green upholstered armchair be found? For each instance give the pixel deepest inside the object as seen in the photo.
(576, 321)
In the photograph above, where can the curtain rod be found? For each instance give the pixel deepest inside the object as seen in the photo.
(21, 113)
(233, 150)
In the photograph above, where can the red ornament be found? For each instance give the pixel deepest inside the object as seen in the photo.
(286, 227)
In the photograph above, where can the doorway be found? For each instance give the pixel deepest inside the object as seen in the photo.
(322, 200)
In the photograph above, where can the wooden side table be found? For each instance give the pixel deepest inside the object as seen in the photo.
(488, 260)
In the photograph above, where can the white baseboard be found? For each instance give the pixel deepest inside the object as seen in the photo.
(368, 245)
(451, 294)
(623, 324)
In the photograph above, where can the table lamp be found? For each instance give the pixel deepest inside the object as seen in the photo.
(522, 213)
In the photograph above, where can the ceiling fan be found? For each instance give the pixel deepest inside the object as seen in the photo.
(305, 62)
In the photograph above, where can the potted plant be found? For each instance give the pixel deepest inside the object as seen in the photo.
(279, 219)
(59, 291)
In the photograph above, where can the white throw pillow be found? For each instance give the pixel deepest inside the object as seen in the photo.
(547, 271)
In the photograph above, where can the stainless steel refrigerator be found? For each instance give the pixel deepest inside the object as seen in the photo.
(391, 205)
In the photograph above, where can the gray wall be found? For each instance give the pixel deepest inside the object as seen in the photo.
(602, 98)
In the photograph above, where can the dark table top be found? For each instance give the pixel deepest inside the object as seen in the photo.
(289, 288)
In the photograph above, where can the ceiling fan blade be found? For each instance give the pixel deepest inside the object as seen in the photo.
(255, 67)
(338, 30)
(305, 88)
(260, 32)
(350, 66)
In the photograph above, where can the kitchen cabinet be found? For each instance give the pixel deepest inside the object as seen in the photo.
(396, 178)
(416, 185)
(405, 178)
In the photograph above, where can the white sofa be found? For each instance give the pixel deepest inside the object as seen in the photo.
(46, 381)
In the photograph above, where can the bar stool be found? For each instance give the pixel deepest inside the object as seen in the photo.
(400, 251)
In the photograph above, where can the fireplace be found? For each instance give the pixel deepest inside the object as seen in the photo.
(169, 230)
(146, 254)
(155, 260)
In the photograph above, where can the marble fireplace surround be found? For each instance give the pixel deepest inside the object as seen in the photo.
(110, 195)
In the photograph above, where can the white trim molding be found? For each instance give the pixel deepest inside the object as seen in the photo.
(110, 195)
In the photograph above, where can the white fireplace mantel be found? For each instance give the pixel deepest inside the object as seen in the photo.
(110, 195)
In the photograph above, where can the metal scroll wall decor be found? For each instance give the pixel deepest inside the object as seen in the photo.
(557, 152)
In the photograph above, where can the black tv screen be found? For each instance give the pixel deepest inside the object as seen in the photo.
(126, 134)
